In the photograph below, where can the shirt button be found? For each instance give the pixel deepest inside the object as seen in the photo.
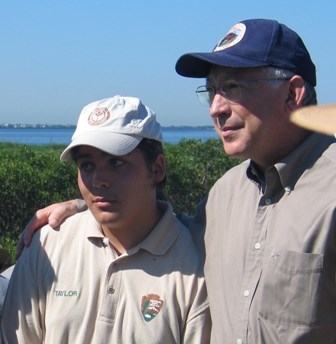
(110, 290)
(268, 201)
(257, 245)
(246, 293)
(115, 265)
(288, 190)
(239, 341)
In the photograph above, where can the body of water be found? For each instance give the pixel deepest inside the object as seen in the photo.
(47, 136)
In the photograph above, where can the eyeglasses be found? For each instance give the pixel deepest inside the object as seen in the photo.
(233, 91)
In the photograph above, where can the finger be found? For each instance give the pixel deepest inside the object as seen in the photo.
(57, 218)
(62, 211)
(33, 225)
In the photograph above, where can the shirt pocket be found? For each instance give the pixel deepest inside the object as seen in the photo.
(289, 288)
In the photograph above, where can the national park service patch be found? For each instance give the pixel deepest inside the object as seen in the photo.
(234, 36)
(151, 305)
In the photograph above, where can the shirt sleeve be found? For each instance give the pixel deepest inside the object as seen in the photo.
(3, 288)
(81, 205)
(25, 302)
(198, 326)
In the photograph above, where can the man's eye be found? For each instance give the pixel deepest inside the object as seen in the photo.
(230, 85)
(115, 162)
(85, 166)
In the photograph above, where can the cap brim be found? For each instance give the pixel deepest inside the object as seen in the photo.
(320, 118)
(111, 143)
(198, 65)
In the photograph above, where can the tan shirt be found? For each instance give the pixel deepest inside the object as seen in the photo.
(271, 250)
(3, 288)
(70, 287)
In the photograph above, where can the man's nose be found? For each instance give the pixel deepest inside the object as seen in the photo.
(101, 180)
(218, 105)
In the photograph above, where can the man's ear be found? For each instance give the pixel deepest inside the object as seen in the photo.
(159, 168)
(296, 93)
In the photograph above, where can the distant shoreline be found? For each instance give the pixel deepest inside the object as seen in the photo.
(59, 134)
(70, 126)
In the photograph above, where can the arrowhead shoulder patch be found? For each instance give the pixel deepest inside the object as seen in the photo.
(151, 305)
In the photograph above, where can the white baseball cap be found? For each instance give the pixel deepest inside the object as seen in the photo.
(114, 125)
(320, 118)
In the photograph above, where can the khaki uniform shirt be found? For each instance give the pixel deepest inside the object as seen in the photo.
(271, 250)
(70, 287)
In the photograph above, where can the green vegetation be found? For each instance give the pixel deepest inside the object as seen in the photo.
(193, 167)
(32, 177)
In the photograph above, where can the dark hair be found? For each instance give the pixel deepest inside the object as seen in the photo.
(150, 150)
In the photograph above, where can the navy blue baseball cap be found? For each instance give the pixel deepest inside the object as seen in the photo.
(250, 44)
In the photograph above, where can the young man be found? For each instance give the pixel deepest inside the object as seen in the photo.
(271, 226)
(124, 271)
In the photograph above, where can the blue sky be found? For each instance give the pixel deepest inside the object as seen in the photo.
(59, 55)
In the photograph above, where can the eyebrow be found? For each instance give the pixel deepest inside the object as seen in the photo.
(83, 155)
(90, 155)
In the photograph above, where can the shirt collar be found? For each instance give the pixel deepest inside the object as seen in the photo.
(291, 168)
(164, 234)
(160, 239)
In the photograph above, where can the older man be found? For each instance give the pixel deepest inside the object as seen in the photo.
(271, 225)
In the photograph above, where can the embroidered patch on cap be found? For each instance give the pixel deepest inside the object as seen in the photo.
(99, 116)
(151, 305)
(233, 37)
